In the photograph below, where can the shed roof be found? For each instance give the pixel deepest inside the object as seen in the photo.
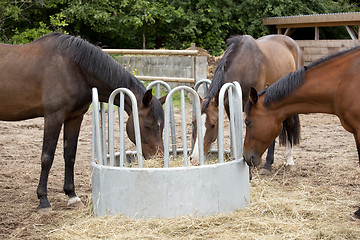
(315, 20)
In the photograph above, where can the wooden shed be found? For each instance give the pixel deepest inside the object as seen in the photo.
(314, 49)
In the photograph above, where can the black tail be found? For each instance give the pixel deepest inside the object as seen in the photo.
(290, 131)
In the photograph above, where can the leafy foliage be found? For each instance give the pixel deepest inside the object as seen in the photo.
(151, 24)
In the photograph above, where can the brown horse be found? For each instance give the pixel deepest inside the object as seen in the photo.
(52, 77)
(251, 63)
(330, 85)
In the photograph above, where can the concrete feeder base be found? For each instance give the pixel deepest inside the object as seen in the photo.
(170, 192)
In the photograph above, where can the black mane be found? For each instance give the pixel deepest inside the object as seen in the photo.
(93, 60)
(218, 80)
(285, 86)
(288, 84)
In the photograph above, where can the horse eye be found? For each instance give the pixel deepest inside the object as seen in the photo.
(213, 126)
(247, 122)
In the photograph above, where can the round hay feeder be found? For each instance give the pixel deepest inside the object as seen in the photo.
(169, 191)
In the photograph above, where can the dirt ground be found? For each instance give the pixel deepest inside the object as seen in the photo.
(326, 157)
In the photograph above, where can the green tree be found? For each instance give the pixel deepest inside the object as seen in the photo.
(23, 21)
(150, 24)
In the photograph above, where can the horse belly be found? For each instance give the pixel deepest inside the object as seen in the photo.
(20, 97)
(17, 112)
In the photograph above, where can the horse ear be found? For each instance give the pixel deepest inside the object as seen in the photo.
(253, 97)
(147, 98)
(162, 99)
(201, 99)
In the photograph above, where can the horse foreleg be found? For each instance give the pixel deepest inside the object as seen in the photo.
(266, 169)
(52, 127)
(71, 135)
(357, 141)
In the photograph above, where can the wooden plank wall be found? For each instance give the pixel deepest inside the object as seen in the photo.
(314, 49)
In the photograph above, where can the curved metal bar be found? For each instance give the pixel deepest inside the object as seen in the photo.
(204, 82)
(172, 120)
(221, 121)
(232, 122)
(200, 82)
(167, 118)
(96, 127)
(239, 124)
(236, 120)
(156, 83)
(136, 126)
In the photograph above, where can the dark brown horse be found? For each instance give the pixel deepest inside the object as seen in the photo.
(330, 85)
(52, 77)
(251, 63)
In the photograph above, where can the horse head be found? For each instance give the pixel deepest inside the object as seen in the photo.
(262, 128)
(151, 121)
(209, 118)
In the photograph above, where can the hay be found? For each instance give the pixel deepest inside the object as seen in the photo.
(276, 211)
(158, 161)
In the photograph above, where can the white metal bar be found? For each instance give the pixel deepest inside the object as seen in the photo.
(167, 120)
(172, 120)
(98, 146)
(232, 121)
(121, 127)
(239, 133)
(103, 132)
(135, 118)
(183, 126)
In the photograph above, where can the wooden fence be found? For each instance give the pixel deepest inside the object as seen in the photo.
(315, 49)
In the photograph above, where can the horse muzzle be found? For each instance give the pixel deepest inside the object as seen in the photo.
(152, 152)
(252, 160)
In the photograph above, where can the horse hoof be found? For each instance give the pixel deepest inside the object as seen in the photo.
(290, 167)
(75, 202)
(264, 172)
(44, 210)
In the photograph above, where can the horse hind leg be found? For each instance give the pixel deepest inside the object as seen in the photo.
(71, 135)
(290, 164)
(290, 136)
(357, 141)
(52, 127)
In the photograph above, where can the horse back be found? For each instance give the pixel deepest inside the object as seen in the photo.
(282, 55)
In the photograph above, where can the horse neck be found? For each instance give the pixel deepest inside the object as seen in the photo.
(105, 89)
(315, 95)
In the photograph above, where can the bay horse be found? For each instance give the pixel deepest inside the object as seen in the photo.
(251, 63)
(330, 85)
(52, 77)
